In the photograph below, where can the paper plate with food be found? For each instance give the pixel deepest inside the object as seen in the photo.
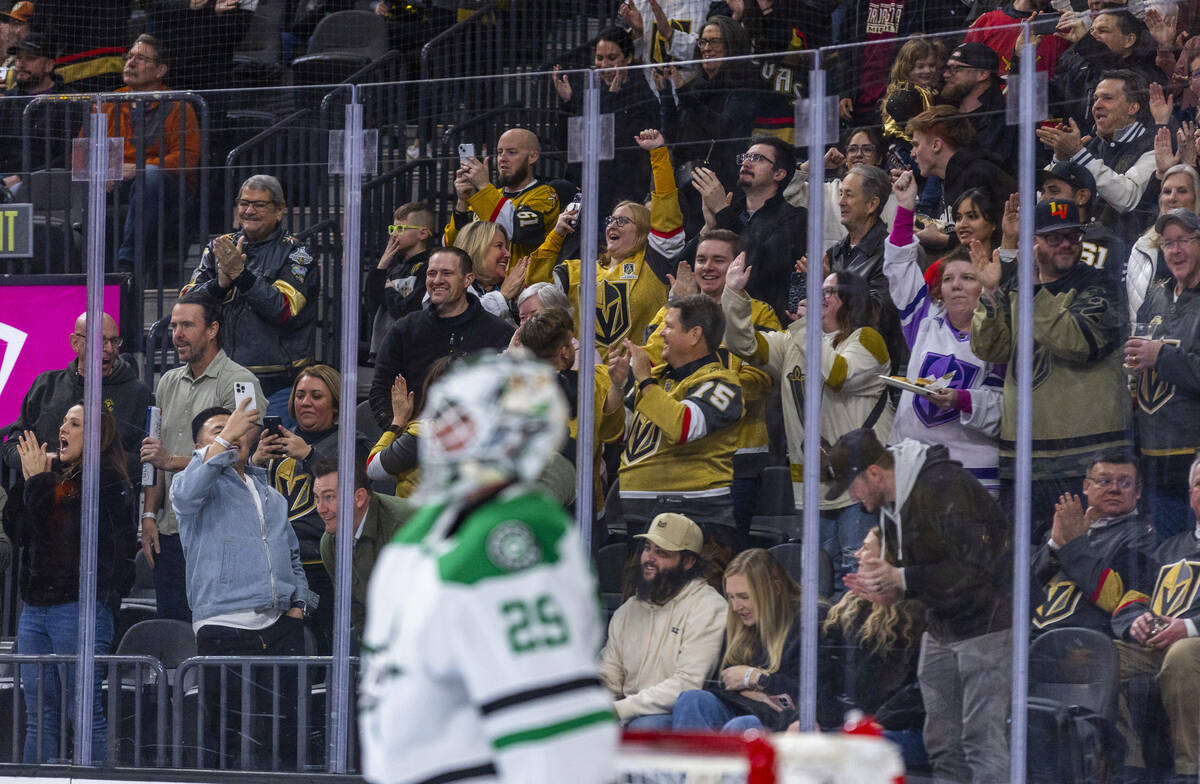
(921, 386)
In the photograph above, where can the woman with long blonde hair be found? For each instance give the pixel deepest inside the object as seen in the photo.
(757, 684)
(497, 283)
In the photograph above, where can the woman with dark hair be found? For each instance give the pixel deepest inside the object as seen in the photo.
(44, 519)
(289, 457)
(627, 96)
(977, 217)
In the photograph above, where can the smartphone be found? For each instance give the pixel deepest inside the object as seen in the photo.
(1045, 23)
(271, 425)
(244, 390)
(153, 430)
(465, 151)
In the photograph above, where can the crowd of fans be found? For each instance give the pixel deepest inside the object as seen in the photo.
(701, 324)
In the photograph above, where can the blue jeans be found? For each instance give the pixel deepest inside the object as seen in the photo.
(912, 747)
(842, 532)
(170, 580)
(55, 629)
(158, 183)
(652, 721)
(703, 710)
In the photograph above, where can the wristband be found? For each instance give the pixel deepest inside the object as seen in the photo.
(223, 442)
(645, 382)
(149, 516)
(746, 677)
(393, 429)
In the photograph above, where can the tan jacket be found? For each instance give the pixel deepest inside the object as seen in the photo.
(656, 652)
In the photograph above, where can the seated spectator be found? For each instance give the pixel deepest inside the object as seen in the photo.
(289, 457)
(680, 442)
(869, 650)
(914, 81)
(44, 518)
(169, 139)
(50, 128)
(1102, 248)
(1167, 365)
(757, 685)
(627, 96)
(1180, 186)
(497, 282)
(965, 415)
(852, 394)
(53, 392)
(972, 84)
(716, 251)
(1077, 331)
(249, 605)
(1155, 626)
(525, 206)
(666, 638)
(1094, 556)
(542, 295)
(999, 30)
(452, 323)
(268, 283)
(396, 285)
(14, 26)
(631, 273)
(1119, 154)
(772, 231)
(377, 518)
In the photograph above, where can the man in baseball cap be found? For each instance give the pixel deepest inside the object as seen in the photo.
(972, 85)
(666, 638)
(13, 27)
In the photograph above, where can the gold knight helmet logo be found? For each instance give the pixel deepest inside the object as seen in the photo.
(612, 311)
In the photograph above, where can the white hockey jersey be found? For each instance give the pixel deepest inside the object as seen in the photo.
(480, 650)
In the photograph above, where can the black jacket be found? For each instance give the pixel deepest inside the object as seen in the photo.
(416, 340)
(51, 129)
(1082, 67)
(990, 121)
(55, 391)
(977, 167)
(393, 293)
(773, 238)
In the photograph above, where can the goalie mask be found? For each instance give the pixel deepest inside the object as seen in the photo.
(490, 419)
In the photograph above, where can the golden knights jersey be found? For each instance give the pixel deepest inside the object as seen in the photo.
(751, 455)
(528, 216)
(1171, 590)
(629, 291)
(683, 433)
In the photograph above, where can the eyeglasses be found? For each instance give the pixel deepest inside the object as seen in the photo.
(753, 157)
(617, 220)
(829, 291)
(114, 342)
(704, 43)
(257, 205)
(139, 58)
(1054, 239)
(396, 228)
(1124, 483)
(1179, 243)
(860, 149)
(953, 69)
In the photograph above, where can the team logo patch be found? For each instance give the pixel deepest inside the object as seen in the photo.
(512, 546)
(1176, 588)
(299, 271)
(642, 441)
(936, 365)
(1153, 392)
(1062, 598)
(612, 311)
(300, 256)
(628, 271)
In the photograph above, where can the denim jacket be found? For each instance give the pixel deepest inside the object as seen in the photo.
(234, 563)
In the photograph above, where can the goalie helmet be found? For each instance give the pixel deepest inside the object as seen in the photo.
(490, 419)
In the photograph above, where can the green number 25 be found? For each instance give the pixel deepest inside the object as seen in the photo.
(534, 624)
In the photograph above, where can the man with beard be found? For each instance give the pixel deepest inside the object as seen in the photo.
(972, 85)
(1080, 392)
(33, 69)
(666, 638)
(206, 379)
(526, 207)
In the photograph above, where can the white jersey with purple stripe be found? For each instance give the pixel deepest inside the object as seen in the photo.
(937, 350)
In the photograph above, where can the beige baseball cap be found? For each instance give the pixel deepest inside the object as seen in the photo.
(674, 532)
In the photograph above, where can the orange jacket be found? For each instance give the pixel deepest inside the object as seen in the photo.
(177, 143)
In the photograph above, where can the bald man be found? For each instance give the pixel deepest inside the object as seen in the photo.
(54, 391)
(524, 206)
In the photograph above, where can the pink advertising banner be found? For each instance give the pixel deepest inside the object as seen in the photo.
(36, 322)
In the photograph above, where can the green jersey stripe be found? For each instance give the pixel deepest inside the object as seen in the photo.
(550, 730)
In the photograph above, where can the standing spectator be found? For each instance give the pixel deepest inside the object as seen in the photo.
(377, 518)
(525, 206)
(679, 445)
(999, 30)
(206, 379)
(245, 583)
(1119, 155)
(44, 519)
(664, 30)
(773, 232)
(289, 456)
(1180, 186)
(452, 323)
(853, 355)
(1167, 394)
(169, 138)
(268, 283)
(396, 286)
(53, 392)
(1155, 627)
(631, 274)
(973, 86)
(947, 544)
(1094, 556)
(1077, 329)
(666, 637)
(965, 416)
(50, 127)
(626, 96)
